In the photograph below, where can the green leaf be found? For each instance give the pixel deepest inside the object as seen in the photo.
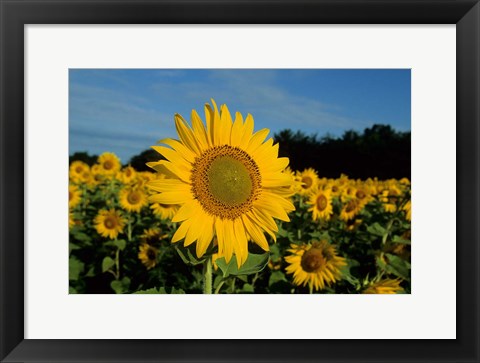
(120, 244)
(120, 286)
(72, 247)
(376, 229)
(398, 239)
(72, 290)
(75, 268)
(394, 265)
(247, 288)
(187, 256)
(80, 236)
(275, 277)
(107, 263)
(254, 263)
(398, 266)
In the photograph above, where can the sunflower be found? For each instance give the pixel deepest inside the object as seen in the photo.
(127, 175)
(133, 199)
(71, 221)
(408, 210)
(387, 286)
(315, 264)
(308, 180)
(321, 205)
(164, 211)
(152, 236)
(74, 196)
(350, 209)
(228, 181)
(109, 223)
(77, 170)
(147, 254)
(109, 163)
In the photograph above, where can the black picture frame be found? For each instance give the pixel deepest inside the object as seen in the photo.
(15, 14)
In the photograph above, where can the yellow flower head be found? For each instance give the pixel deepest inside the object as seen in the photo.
(408, 210)
(74, 196)
(133, 199)
(127, 175)
(152, 236)
(109, 223)
(79, 171)
(387, 286)
(315, 264)
(308, 180)
(147, 254)
(228, 181)
(350, 209)
(321, 205)
(109, 163)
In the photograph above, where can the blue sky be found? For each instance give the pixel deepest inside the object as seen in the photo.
(125, 111)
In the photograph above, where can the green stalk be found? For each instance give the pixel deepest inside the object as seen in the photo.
(207, 276)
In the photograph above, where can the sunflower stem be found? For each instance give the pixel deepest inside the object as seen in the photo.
(207, 276)
(217, 290)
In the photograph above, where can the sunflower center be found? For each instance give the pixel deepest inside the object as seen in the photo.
(107, 165)
(229, 180)
(226, 181)
(151, 254)
(350, 206)
(78, 169)
(307, 182)
(312, 260)
(109, 223)
(133, 198)
(322, 202)
(360, 194)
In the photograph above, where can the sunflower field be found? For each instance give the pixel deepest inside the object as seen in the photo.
(220, 212)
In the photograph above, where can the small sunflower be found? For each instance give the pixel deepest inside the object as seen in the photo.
(77, 170)
(321, 205)
(133, 199)
(350, 209)
(74, 196)
(164, 211)
(147, 254)
(152, 236)
(109, 223)
(387, 286)
(109, 163)
(228, 181)
(127, 175)
(315, 264)
(308, 180)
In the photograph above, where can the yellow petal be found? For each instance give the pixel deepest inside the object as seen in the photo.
(225, 125)
(186, 134)
(237, 130)
(199, 130)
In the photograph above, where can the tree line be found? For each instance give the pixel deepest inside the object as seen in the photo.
(378, 151)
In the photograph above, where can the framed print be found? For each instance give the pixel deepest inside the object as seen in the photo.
(379, 277)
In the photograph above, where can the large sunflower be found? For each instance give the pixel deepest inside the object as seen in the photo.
(228, 181)
(109, 223)
(315, 264)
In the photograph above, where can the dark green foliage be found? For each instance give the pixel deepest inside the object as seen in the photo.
(379, 151)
